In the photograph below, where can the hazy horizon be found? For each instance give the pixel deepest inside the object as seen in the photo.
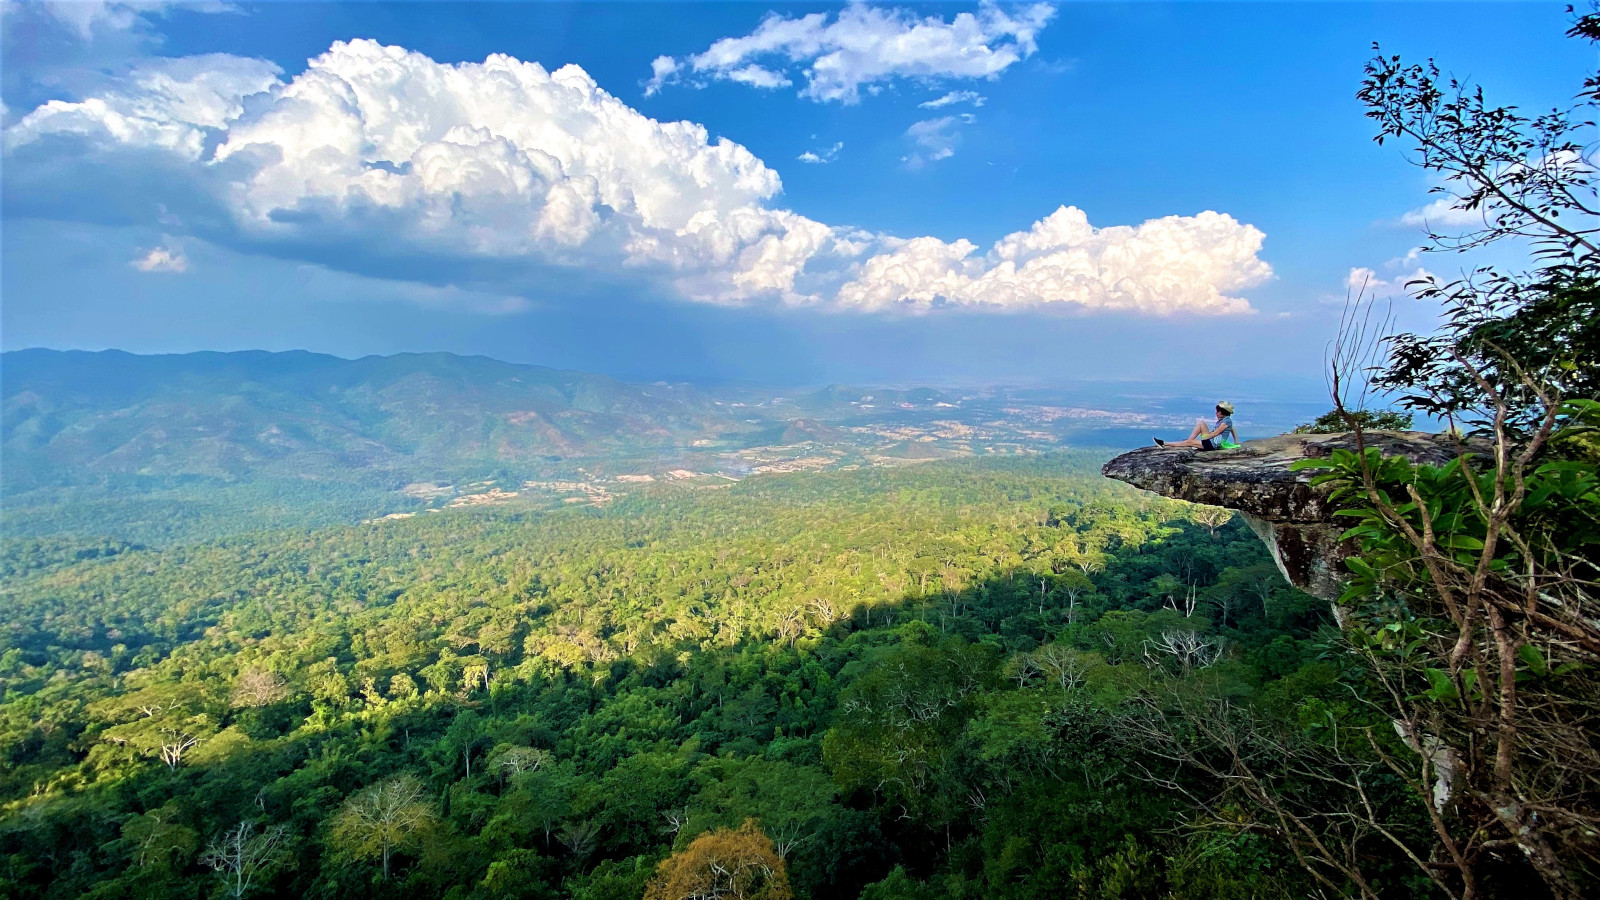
(1274, 387)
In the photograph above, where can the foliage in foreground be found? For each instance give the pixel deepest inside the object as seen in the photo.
(1472, 601)
(1333, 422)
(1474, 592)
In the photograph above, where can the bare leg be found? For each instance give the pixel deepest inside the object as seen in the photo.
(1193, 440)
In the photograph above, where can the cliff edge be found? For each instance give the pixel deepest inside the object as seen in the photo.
(1294, 519)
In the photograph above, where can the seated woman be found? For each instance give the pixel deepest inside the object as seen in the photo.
(1219, 436)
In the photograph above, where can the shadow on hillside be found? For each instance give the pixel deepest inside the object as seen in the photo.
(768, 694)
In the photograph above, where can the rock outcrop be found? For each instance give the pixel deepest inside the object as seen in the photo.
(1294, 519)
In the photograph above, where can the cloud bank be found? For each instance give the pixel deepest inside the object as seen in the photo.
(1169, 265)
(505, 178)
(862, 48)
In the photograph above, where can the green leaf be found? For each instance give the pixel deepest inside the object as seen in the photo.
(1443, 689)
(1533, 659)
(1310, 463)
(1358, 531)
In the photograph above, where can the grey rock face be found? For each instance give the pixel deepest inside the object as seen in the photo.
(1294, 519)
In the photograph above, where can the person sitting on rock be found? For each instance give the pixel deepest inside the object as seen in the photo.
(1218, 436)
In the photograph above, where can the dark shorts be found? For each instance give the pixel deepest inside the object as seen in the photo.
(1205, 444)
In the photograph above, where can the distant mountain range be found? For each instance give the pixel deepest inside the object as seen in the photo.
(76, 415)
(73, 417)
(165, 449)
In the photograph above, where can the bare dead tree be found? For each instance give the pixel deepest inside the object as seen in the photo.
(1187, 605)
(1023, 668)
(256, 688)
(1358, 350)
(676, 819)
(175, 743)
(1321, 797)
(824, 610)
(515, 761)
(1063, 665)
(788, 835)
(1185, 649)
(579, 836)
(1211, 517)
(244, 854)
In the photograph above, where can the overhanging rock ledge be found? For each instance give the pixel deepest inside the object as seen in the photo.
(1294, 519)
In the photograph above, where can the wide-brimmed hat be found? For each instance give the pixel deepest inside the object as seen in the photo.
(1226, 407)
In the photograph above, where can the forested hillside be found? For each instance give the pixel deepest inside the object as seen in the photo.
(922, 682)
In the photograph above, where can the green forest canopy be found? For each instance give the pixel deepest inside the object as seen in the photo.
(916, 681)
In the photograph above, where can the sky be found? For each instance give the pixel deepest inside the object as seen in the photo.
(781, 193)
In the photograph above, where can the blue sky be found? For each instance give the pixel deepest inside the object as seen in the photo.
(194, 186)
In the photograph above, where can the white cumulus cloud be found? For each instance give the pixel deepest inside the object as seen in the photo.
(54, 48)
(1168, 265)
(862, 47)
(500, 179)
(824, 155)
(952, 98)
(167, 104)
(162, 259)
(935, 139)
(1364, 281)
(1442, 213)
